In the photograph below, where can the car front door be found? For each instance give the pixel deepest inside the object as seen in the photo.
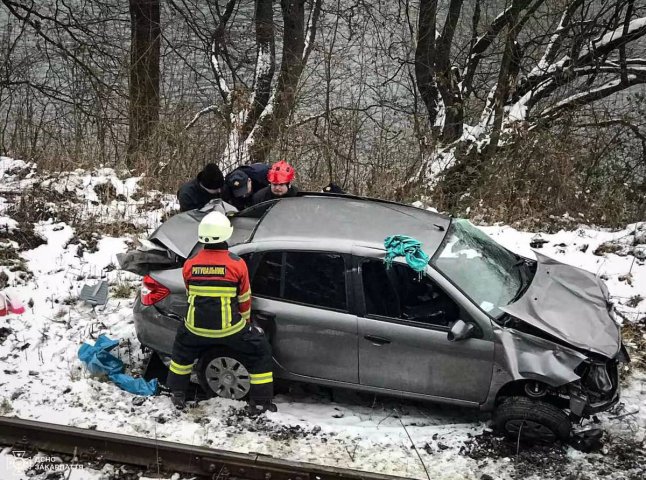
(403, 344)
(304, 296)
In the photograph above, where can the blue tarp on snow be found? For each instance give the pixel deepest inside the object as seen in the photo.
(99, 360)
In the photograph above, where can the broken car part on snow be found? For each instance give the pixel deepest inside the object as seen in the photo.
(533, 341)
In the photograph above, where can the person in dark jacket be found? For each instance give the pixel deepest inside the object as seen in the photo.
(332, 188)
(202, 189)
(280, 178)
(218, 318)
(243, 182)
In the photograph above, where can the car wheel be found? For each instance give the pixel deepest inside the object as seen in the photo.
(531, 420)
(222, 373)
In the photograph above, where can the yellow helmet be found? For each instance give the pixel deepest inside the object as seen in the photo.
(214, 228)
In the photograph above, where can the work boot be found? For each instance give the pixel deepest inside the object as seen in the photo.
(256, 408)
(178, 399)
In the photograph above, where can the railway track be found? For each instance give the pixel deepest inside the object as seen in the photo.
(162, 456)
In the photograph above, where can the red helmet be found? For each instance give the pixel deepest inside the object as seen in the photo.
(281, 172)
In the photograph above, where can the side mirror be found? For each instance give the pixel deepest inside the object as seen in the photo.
(460, 330)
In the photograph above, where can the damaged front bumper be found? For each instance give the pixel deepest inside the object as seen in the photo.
(583, 405)
(584, 384)
(598, 388)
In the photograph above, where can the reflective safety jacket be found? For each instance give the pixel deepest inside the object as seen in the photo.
(219, 296)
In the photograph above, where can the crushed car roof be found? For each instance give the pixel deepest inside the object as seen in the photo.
(362, 221)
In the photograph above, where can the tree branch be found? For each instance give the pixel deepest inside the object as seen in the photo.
(310, 34)
(312, 118)
(616, 121)
(37, 26)
(483, 43)
(588, 97)
(556, 41)
(265, 62)
(446, 80)
(558, 73)
(622, 48)
(425, 57)
(204, 111)
(216, 40)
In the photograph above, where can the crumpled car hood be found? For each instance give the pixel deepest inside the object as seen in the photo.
(570, 304)
(179, 232)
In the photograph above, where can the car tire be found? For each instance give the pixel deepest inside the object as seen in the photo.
(222, 373)
(536, 421)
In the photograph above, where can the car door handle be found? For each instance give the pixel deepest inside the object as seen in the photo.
(377, 340)
(262, 315)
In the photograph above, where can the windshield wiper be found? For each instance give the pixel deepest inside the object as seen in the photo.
(523, 277)
(521, 291)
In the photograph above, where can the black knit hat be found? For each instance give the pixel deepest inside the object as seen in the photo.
(211, 177)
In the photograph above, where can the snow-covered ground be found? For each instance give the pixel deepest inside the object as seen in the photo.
(42, 379)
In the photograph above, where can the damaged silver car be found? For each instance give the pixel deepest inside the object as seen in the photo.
(533, 341)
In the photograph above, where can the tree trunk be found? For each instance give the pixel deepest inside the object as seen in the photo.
(502, 86)
(145, 32)
(269, 126)
(255, 128)
(425, 59)
(447, 80)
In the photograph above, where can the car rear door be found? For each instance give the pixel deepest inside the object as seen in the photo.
(404, 319)
(305, 297)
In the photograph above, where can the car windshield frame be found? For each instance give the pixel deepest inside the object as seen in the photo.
(500, 281)
(258, 210)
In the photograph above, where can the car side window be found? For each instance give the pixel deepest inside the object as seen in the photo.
(380, 295)
(311, 278)
(315, 278)
(267, 278)
(400, 292)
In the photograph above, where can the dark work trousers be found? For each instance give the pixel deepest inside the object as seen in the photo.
(250, 344)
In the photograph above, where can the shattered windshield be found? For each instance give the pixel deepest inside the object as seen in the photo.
(486, 272)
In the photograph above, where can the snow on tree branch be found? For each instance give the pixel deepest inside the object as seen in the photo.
(590, 96)
(225, 91)
(204, 111)
(216, 52)
(552, 49)
(310, 32)
(483, 43)
(544, 81)
(265, 63)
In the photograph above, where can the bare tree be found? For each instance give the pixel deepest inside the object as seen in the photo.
(369, 94)
(144, 73)
(63, 78)
(581, 56)
(256, 111)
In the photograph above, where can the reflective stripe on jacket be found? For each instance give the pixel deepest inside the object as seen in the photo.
(219, 296)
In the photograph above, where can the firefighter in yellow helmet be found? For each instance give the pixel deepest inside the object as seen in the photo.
(219, 298)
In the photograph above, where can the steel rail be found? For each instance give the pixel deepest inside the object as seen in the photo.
(160, 455)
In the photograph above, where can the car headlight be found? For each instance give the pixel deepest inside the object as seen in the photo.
(598, 379)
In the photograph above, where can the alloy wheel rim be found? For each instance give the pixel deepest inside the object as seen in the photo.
(227, 377)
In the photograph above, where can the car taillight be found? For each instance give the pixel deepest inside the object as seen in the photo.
(152, 291)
